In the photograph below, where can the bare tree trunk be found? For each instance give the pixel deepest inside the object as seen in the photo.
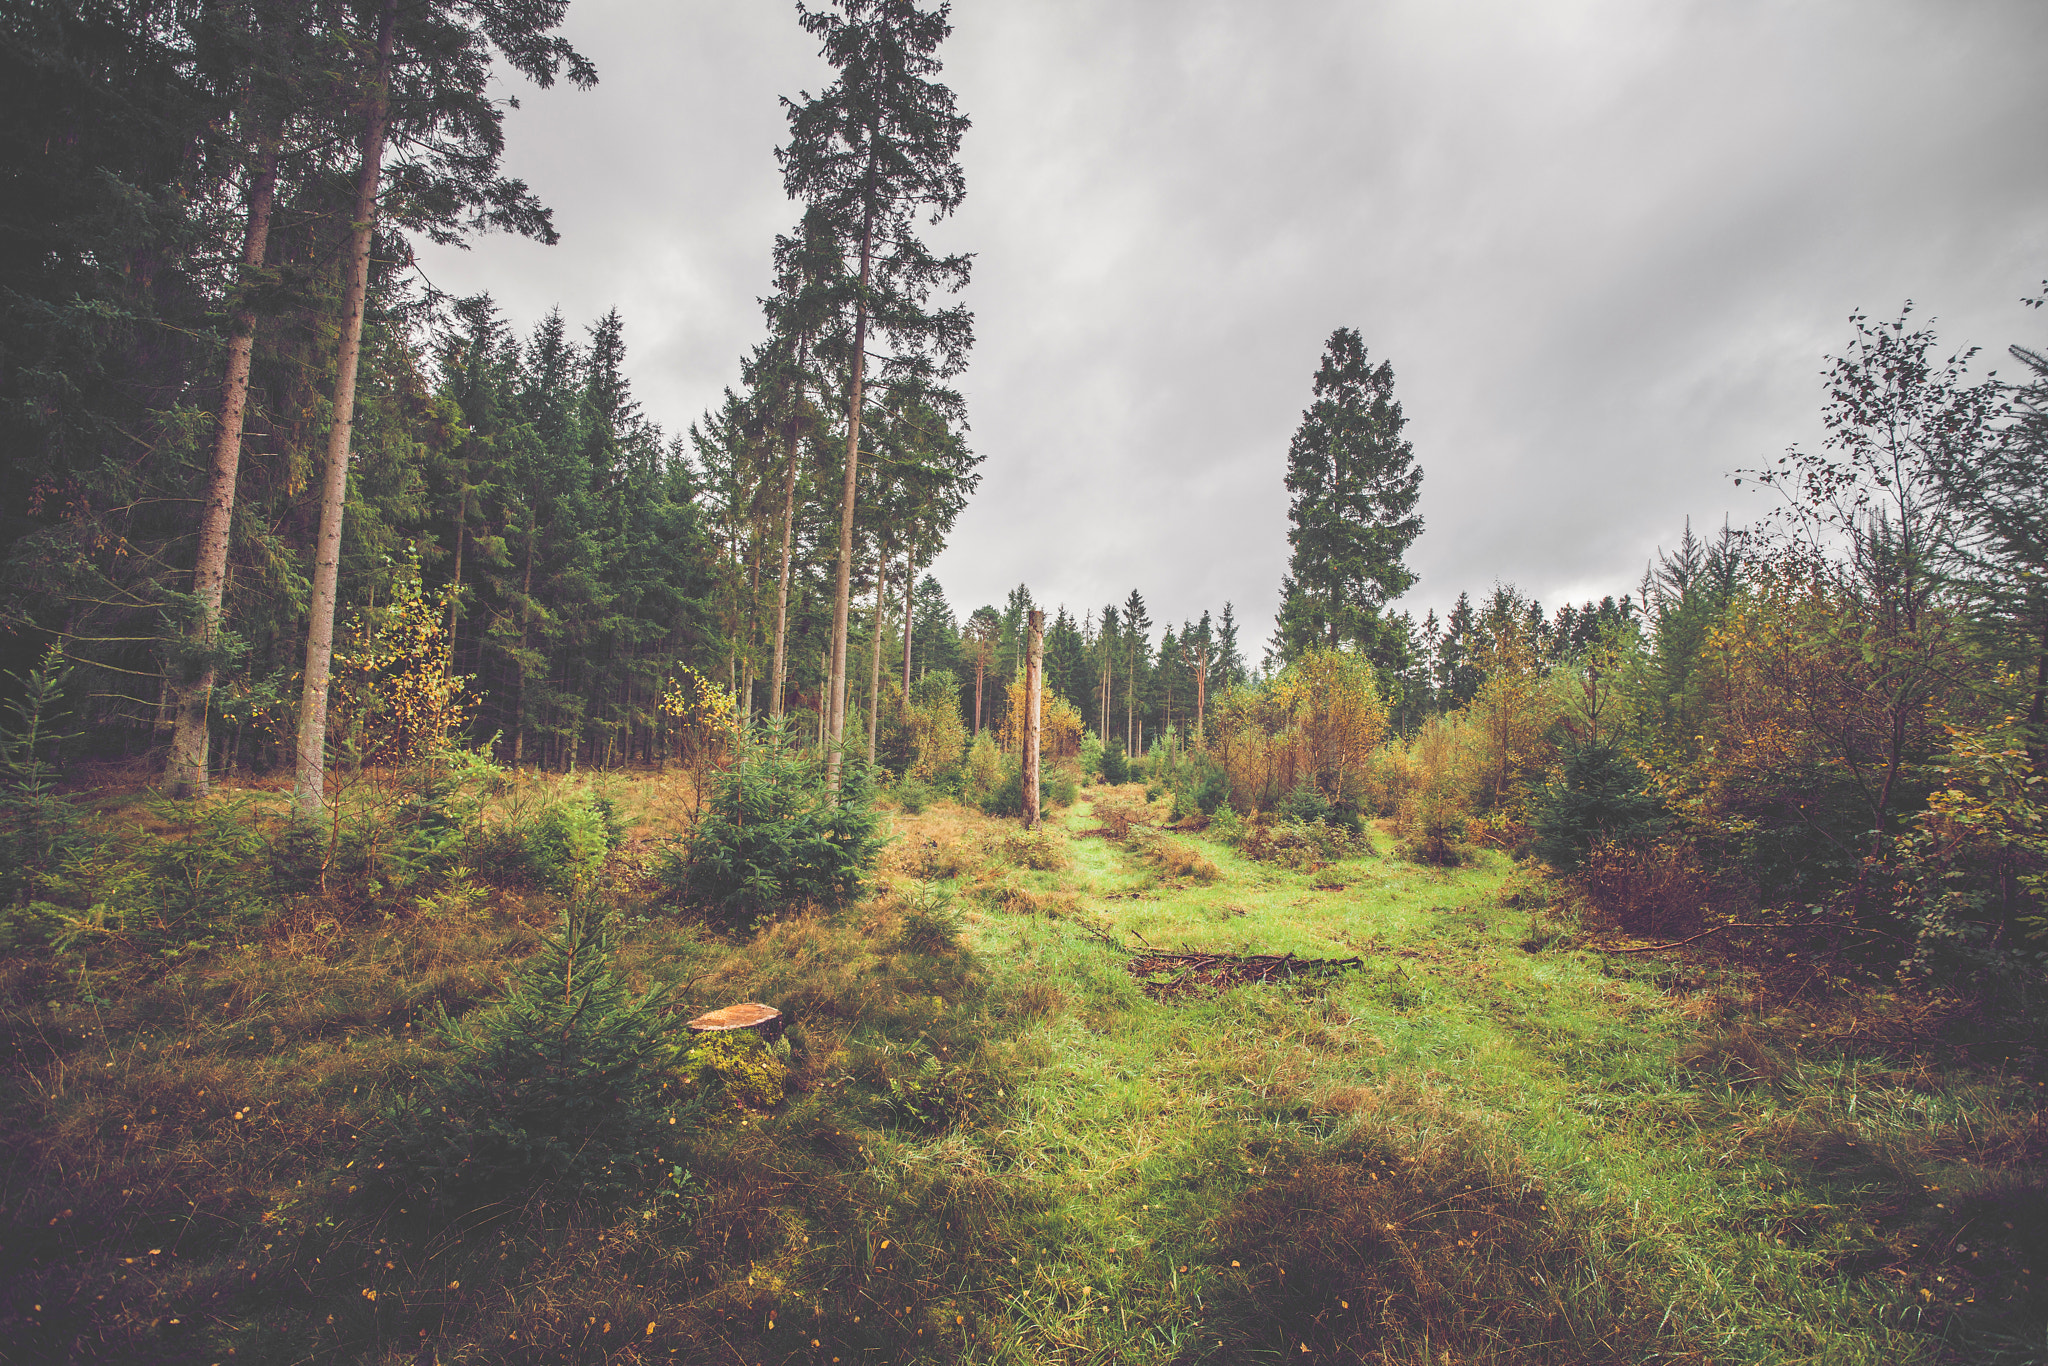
(186, 775)
(312, 741)
(1034, 693)
(525, 624)
(788, 523)
(1202, 698)
(875, 664)
(909, 602)
(980, 667)
(836, 723)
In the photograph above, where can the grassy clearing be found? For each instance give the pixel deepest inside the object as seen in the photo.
(1482, 1146)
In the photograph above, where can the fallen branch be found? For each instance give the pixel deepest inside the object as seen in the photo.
(1194, 972)
(1745, 925)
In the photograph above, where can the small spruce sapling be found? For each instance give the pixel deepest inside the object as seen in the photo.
(561, 1084)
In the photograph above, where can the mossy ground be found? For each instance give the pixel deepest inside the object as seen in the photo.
(1483, 1145)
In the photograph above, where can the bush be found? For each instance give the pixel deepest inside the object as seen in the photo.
(1007, 797)
(40, 828)
(773, 835)
(560, 1084)
(1114, 766)
(171, 895)
(570, 840)
(981, 773)
(1599, 796)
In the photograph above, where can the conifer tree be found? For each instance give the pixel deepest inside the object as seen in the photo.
(867, 155)
(1354, 484)
(447, 176)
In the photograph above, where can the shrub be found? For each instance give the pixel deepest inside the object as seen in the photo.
(1007, 798)
(773, 835)
(1063, 784)
(558, 1084)
(1598, 796)
(1044, 850)
(1114, 766)
(739, 1066)
(982, 771)
(171, 895)
(1091, 756)
(570, 840)
(40, 828)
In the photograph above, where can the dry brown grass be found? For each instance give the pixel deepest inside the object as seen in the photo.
(1419, 1237)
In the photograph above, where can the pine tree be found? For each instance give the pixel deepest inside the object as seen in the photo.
(433, 102)
(1354, 484)
(867, 155)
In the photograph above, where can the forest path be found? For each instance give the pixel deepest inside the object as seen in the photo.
(1574, 1076)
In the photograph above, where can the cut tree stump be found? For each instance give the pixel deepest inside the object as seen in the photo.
(765, 1021)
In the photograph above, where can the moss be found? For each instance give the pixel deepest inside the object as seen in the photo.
(747, 1070)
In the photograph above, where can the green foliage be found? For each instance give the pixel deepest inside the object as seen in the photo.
(570, 840)
(40, 827)
(1091, 756)
(1354, 483)
(982, 773)
(739, 1066)
(1114, 766)
(774, 835)
(1006, 798)
(560, 1084)
(1600, 795)
(177, 894)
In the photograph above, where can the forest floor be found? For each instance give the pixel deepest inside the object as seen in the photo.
(1476, 1137)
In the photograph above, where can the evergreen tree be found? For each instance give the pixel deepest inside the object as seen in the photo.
(1354, 484)
(867, 155)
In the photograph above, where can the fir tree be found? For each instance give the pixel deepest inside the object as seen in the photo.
(1354, 484)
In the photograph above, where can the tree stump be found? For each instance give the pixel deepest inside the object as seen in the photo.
(766, 1021)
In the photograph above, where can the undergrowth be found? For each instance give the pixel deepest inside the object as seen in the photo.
(979, 1140)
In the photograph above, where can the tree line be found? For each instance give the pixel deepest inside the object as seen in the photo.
(237, 426)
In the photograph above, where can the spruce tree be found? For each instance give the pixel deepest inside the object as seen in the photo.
(1354, 484)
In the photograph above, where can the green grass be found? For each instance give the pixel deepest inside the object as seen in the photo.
(1483, 1145)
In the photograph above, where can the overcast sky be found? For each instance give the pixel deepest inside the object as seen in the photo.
(1605, 245)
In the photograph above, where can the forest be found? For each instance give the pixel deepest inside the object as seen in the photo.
(407, 745)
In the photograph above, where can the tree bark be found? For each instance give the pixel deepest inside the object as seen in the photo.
(842, 589)
(909, 602)
(788, 524)
(312, 739)
(186, 775)
(875, 663)
(1034, 692)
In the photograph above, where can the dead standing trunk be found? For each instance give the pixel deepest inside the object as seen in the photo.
(1034, 693)
(186, 775)
(312, 739)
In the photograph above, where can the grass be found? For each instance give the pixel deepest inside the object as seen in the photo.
(1483, 1146)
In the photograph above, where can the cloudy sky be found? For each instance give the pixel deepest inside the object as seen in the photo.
(1606, 246)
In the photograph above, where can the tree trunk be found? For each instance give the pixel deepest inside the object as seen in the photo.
(875, 663)
(836, 690)
(909, 602)
(980, 667)
(1034, 692)
(788, 523)
(312, 740)
(186, 776)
